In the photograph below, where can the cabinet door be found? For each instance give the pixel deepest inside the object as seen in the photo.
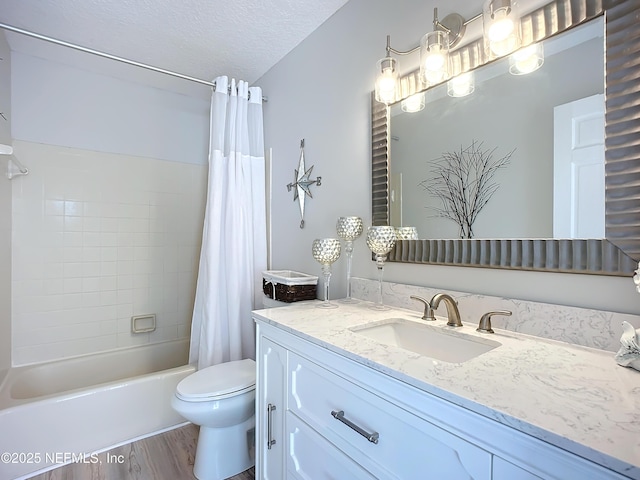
(270, 410)
(311, 457)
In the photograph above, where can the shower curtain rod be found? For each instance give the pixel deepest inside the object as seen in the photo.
(98, 53)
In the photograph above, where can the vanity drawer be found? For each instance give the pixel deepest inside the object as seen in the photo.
(407, 446)
(310, 456)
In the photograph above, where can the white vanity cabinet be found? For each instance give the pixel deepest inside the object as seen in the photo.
(338, 418)
(270, 409)
(312, 443)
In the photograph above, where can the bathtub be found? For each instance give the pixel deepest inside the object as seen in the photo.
(63, 411)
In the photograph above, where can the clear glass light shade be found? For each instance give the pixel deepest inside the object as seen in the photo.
(349, 228)
(387, 80)
(406, 233)
(501, 24)
(526, 60)
(434, 57)
(326, 251)
(413, 104)
(461, 85)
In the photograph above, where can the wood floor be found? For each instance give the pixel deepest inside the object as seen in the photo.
(168, 456)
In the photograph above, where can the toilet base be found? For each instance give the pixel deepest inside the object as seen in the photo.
(224, 452)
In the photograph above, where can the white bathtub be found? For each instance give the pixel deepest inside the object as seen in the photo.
(52, 413)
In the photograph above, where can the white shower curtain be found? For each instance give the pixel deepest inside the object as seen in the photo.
(234, 251)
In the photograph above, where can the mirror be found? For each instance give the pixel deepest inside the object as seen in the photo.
(516, 122)
(525, 184)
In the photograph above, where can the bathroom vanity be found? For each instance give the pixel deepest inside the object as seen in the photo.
(338, 397)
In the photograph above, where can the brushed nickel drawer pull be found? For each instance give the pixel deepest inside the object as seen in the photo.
(372, 437)
(270, 441)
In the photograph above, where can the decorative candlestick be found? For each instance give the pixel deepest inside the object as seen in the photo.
(349, 228)
(380, 240)
(326, 251)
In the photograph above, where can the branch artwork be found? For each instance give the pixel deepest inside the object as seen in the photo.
(464, 182)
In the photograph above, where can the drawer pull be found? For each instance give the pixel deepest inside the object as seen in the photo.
(270, 441)
(372, 437)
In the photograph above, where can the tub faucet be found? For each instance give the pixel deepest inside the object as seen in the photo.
(428, 311)
(453, 314)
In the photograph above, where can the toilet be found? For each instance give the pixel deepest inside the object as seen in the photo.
(221, 400)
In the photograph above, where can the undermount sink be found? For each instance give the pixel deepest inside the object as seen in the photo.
(430, 341)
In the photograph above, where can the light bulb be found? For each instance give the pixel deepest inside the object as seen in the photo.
(387, 87)
(413, 104)
(501, 23)
(434, 60)
(526, 60)
(461, 85)
(501, 27)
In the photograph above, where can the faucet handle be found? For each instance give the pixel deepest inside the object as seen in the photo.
(485, 320)
(428, 311)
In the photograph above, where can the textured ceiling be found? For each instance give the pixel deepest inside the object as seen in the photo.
(200, 38)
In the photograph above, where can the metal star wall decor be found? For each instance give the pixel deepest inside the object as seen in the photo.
(302, 183)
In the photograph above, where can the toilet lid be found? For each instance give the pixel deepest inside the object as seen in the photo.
(218, 380)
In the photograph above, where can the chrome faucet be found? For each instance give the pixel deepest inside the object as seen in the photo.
(453, 314)
(428, 311)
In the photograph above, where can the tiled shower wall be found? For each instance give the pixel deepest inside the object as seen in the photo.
(99, 237)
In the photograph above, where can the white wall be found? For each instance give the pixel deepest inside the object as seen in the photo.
(108, 222)
(5, 209)
(321, 92)
(58, 104)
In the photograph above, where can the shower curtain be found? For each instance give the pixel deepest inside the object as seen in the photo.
(234, 250)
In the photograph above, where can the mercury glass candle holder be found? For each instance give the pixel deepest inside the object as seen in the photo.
(326, 251)
(406, 233)
(349, 228)
(380, 240)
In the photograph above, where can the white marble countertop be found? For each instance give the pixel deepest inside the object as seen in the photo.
(576, 398)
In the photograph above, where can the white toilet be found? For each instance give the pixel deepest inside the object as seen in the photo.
(221, 399)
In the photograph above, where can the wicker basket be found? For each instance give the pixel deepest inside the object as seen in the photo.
(288, 286)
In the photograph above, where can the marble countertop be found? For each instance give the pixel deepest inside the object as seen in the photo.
(576, 398)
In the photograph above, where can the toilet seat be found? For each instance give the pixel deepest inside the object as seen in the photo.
(218, 381)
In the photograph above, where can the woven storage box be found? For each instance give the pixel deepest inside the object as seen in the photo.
(289, 286)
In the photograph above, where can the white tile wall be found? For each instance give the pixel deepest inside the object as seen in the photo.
(97, 238)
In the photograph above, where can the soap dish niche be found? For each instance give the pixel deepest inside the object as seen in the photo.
(143, 323)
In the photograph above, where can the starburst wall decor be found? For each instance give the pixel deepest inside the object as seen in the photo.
(302, 183)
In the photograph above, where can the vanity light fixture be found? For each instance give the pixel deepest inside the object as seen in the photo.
(461, 85)
(526, 60)
(413, 104)
(501, 25)
(434, 57)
